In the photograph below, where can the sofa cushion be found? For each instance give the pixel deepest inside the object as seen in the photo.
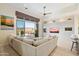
(12, 36)
(19, 38)
(29, 36)
(38, 42)
(28, 41)
(45, 37)
(37, 38)
(50, 37)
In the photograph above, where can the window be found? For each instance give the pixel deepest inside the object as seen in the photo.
(20, 27)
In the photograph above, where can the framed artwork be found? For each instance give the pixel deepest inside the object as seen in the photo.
(68, 28)
(7, 22)
(54, 30)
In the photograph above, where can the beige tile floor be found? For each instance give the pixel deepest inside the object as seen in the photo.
(59, 51)
(63, 49)
(7, 51)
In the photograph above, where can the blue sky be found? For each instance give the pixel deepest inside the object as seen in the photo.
(20, 24)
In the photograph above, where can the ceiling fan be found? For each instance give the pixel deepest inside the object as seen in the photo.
(46, 13)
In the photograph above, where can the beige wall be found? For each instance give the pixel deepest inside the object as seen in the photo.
(6, 10)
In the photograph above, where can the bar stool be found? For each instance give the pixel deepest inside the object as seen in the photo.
(74, 42)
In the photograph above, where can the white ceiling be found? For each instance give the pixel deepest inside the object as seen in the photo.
(36, 9)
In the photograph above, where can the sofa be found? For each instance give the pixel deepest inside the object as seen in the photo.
(29, 47)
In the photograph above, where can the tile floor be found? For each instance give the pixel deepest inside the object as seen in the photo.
(64, 48)
(7, 51)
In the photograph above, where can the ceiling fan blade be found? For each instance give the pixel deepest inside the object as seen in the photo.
(46, 13)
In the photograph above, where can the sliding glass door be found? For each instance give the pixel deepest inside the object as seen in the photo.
(26, 27)
(30, 28)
